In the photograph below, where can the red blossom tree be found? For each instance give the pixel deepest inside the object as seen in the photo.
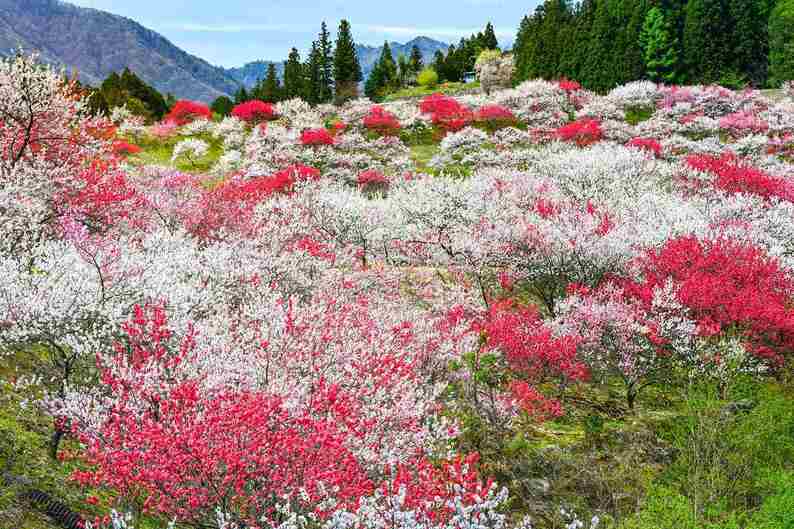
(254, 112)
(728, 287)
(735, 176)
(185, 112)
(316, 137)
(583, 132)
(647, 144)
(382, 121)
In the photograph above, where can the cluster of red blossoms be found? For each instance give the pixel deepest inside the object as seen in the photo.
(184, 112)
(583, 132)
(734, 176)
(316, 137)
(726, 286)
(382, 121)
(254, 112)
(446, 112)
(647, 144)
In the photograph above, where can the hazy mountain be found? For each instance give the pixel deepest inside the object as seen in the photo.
(95, 43)
(251, 72)
(367, 56)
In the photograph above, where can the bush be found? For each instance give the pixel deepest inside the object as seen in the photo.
(487, 56)
(185, 112)
(382, 122)
(254, 112)
(427, 78)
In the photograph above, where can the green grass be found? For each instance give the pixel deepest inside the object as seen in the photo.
(419, 91)
(158, 152)
(422, 154)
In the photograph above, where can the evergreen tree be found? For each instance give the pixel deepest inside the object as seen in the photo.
(749, 40)
(630, 52)
(241, 96)
(347, 69)
(383, 76)
(312, 89)
(659, 48)
(416, 61)
(293, 76)
(706, 49)
(222, 106)
(489, 41)
(598, 71)
(403, 70)
(134, 87)
(523, 40)
(326, 91)
(781, 43)
(270, 90)
(439, 65)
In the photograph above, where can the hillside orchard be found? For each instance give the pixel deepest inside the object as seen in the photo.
(375, 316)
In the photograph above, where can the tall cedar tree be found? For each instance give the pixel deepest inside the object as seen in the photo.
(222, 106)
(632, 56)
(241, 96)
(383, 76)
(659, 47)
(524, 39)
(313, 76)
(598, 41)
(781, 43)
(439, 66)
(489, 41)
(417, 62)
(326, 92)
(293, 76)
(270, 89)
(706, 35)
(749, 41)
(347, 69)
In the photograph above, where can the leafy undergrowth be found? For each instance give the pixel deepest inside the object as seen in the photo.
(159, 152)
(444, 88)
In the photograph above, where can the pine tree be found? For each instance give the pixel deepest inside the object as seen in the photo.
(313, 76)
(489, 41)
(222, 106)
(387, 65)
(632, 52)
(293, 76)
(781, 42)
(326, 65)
(241, 96)
(439, 65)
(520, 47)
(270, 90)
(659, 48)
(347, 69)
(706, 33)
(598, 71)
(383, 76)
(749, 40)
(416, 61)
(403, 70)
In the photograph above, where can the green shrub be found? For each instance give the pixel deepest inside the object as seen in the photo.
(635, 115)
(777, 511)
(488, 56)
(427, 78)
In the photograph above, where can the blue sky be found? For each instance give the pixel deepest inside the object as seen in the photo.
(233, 32)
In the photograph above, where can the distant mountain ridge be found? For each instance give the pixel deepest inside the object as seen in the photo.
(96, 43)
(251, 72)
